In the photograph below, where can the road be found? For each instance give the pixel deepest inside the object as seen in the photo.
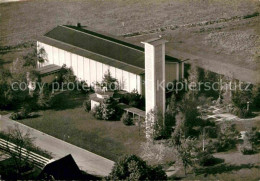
(87, 161)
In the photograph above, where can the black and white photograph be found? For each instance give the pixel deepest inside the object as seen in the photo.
(130, 90)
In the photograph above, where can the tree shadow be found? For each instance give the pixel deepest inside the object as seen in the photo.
(68, 100)
(34, 115)
(223, 168)
(3, 62)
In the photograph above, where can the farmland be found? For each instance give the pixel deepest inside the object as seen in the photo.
(231, 40)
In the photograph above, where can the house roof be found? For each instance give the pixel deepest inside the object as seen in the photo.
(65, 169)
(99, 47)
(49, 69)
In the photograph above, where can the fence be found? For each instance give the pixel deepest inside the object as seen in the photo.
(34, 158)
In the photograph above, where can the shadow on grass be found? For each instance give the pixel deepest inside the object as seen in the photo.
(223, 168)
(3, 62)
(68, 100)
(34, 115)
(215, 161)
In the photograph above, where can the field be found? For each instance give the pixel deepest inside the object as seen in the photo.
(228, 45)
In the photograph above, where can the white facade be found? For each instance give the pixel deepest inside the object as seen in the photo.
(155, 75)
(90, 70)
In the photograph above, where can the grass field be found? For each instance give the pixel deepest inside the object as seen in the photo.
(72, 124)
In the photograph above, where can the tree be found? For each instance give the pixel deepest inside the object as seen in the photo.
(21, 141)
(37, 55)
(131, 167)
(190, 114)
(45, 98)
(169, 118)
(66, 75)
(186, 152)
(154, 124)
(106, 110)
(179, 131)
(241, 97)
(87, 104)
(109, 82)
(251, 141)
(135, 99)
(11, 95)
(228, 137)
(253, 136)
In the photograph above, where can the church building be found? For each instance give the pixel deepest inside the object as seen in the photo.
(91, 54)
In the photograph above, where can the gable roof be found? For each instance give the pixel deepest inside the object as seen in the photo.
(65, 169)
(99, 47)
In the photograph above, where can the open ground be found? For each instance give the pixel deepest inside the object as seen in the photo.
(221, 36)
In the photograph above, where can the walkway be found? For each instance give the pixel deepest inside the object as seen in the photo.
(87, 161)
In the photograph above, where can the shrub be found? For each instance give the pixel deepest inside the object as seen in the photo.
(97, 112)
(126, 119)
(205, 158)
(22, 114)
(15, 116)
(155, 127)
(242, 113)
(106, 110)
(251, 15)
(134, 168)
(169, 122)
(250, 142)
(253, 136)
(45, 99)
(87, 105)
(134, 99)
(247, 149)
(227, 137)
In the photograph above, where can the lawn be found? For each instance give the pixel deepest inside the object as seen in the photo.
(71, 123)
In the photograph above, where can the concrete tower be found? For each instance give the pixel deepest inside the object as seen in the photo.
(155, 74)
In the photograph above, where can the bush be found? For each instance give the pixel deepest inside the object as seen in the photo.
(134, 99)
(242, 113)
(227, 137)
(106, 110)
(126, 119)
(97, 112)
(253, 136)
(205, 158)
(87, 105)
(45, 99)
(247, 149)
(15, 116)
(134, 168)
(22, 114)
(169, 122)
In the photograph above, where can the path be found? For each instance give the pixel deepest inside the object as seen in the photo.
(87, 161)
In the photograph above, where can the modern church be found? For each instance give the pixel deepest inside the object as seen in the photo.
(91, 54)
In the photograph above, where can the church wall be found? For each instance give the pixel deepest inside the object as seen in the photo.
(90, 70)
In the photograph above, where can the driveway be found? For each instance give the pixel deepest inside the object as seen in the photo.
(87, 161)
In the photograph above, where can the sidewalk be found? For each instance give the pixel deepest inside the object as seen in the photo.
(87, 161)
